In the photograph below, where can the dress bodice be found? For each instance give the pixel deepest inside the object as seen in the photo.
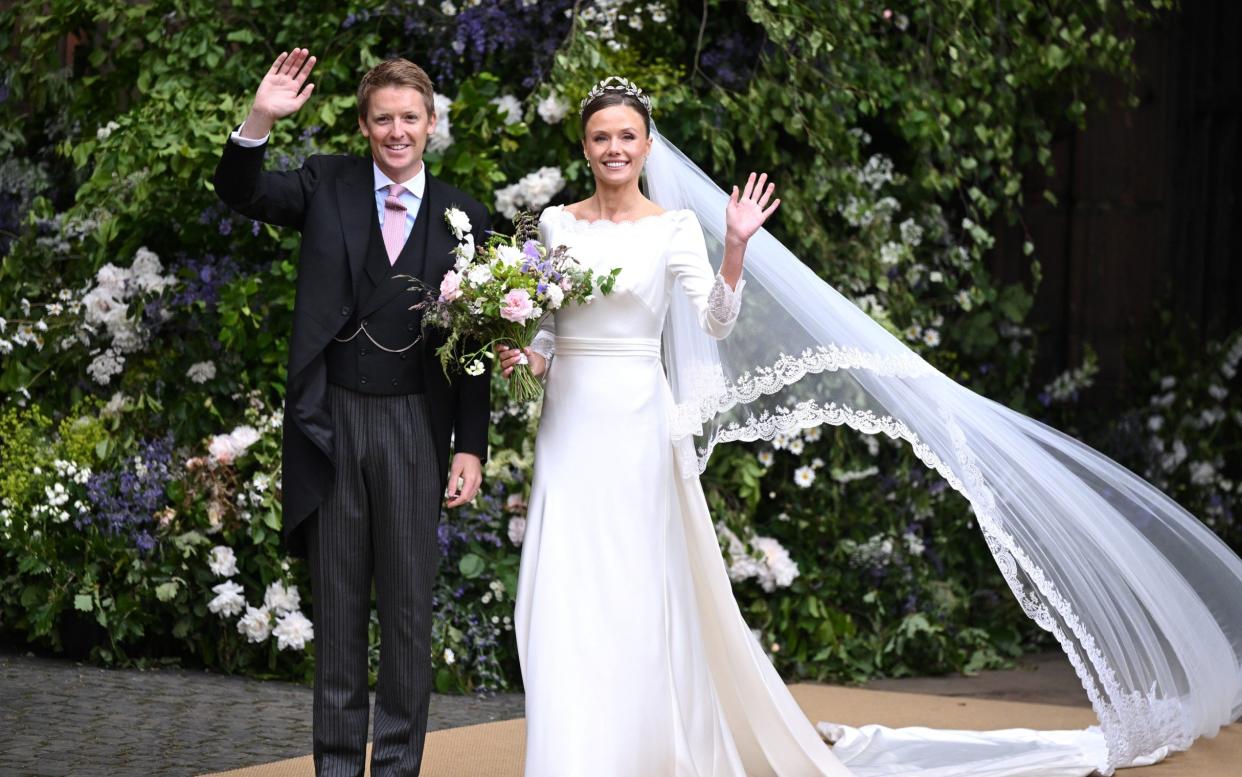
(655, 254)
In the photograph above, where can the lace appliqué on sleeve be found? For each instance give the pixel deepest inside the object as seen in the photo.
(544, 344)
(724, 303)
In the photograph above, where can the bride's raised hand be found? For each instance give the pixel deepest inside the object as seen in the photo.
(281, 91)
(511, 357)
(749, 209)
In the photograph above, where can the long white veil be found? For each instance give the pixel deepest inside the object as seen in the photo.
(1145, 601)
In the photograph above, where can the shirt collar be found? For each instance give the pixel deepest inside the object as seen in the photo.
(415, 185)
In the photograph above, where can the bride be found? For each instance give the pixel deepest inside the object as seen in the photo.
(635, 658)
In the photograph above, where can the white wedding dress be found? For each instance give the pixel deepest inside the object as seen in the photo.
(635, 657)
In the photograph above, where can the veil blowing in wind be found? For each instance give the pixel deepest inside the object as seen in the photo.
(1145, 601)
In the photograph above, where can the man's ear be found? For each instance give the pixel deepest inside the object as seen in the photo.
(362, 127)
(431, 122)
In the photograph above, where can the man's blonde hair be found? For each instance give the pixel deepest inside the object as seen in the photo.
(395, 72)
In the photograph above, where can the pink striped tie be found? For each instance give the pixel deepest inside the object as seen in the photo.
(394, 222)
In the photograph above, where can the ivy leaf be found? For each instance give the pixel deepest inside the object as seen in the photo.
(83, 603)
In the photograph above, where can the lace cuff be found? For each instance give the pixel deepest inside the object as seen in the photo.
(724, 303)
(544, 344)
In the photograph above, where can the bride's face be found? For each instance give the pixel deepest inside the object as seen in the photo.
(616, 144)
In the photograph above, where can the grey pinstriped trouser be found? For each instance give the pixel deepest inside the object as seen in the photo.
(380, 519)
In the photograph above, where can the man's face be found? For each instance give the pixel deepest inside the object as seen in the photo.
(397, 125)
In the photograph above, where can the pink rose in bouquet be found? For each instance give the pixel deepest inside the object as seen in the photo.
(517, 306)
(450, 287)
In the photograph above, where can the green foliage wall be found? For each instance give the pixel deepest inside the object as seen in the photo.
(897, 136)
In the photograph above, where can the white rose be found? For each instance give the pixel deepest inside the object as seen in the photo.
(223, 561)
(280, 599)
(442, 137)
(508, 200)
(256, 624)
(552, 108)
(293, 630)
(228, 601)
(510, 106)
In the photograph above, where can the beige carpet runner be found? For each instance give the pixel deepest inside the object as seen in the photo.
(495, 749)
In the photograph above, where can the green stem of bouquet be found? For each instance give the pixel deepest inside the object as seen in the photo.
(523, 385)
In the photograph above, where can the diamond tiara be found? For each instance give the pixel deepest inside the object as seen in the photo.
(619, 85)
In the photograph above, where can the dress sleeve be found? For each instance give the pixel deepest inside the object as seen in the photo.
(544, 342)
(717, 304)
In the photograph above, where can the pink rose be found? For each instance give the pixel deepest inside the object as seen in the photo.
(518, 307)
(450, 287)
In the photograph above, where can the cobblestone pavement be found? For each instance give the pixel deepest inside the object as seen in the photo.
(64, 718)
(59, 717)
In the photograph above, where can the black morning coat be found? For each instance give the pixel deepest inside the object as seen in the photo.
(331, 201)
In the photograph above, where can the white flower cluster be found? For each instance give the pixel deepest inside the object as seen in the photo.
(532, 192)
(1067, 385)
(602, 18)
(849, 476)
(875, 553)
(278, 617)
(58, 494)
(442, 137)
(201, 372)
(226, 448)
(106, 307)
(104, 132)
(763, 559)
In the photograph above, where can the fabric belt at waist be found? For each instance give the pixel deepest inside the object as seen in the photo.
(607, 346)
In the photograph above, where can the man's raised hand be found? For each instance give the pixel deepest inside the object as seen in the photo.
(283, 91)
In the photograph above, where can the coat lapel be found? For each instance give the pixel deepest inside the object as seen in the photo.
(356, 204)
(438, 254)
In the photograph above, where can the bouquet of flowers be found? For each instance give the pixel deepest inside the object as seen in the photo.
(500, 292)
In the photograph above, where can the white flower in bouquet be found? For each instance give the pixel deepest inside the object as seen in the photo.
(450, 657)
(510, 107)
(476, 368)
(458, 221)
(293, 630)
(223, 561)
(509, 256)
(256, 624)
(228, 601)
(464, 252)
(201, 372)
(555, 296)
(552, 108)
(479, 274)
(442, 138)
(280, 599)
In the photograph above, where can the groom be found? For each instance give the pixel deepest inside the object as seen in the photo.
(368, 412)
